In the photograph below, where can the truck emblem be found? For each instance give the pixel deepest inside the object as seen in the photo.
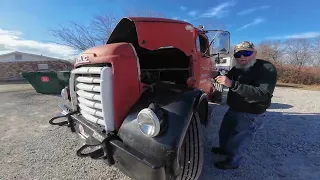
(82, 59)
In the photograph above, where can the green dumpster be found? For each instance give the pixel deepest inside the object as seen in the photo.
(63, 77)
(48, 82)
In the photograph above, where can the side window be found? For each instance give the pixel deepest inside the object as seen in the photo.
(198, 43)
(201, 44)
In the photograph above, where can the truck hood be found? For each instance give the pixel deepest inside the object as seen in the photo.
(153, 33)
(105, 54)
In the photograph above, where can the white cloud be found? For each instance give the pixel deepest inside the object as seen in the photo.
(305, 35)
(251, 10)
(254, 22)
(192, 13)
(13, 41)
(219, 11)
(183, 8)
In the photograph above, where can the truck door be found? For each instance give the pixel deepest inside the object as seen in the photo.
(206, 66)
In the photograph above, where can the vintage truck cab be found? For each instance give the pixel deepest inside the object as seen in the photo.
(141, 100)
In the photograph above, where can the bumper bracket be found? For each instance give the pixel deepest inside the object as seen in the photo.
(104, 152)
(69, 121)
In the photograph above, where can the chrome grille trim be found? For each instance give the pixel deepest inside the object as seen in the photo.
(86, 85)
(88, 95)
(90, 103)
(88, 79)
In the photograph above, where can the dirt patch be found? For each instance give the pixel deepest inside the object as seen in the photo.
(15, 86)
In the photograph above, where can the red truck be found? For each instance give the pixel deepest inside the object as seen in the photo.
(141, 100)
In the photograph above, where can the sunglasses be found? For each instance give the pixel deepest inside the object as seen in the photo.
(244, 53)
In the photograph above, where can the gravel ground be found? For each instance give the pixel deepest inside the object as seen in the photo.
(287, 147)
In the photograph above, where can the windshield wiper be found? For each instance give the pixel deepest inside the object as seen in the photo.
(210, 46)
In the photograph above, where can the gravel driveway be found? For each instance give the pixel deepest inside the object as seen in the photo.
(287, 147)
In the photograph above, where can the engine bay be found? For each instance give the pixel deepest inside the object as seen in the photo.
(164, 64)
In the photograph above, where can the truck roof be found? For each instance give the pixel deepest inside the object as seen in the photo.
(153, 19)
(148, 33)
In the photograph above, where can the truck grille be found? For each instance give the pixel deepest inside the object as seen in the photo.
(86, 87)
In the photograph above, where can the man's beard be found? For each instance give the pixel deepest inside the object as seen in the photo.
(246, 66)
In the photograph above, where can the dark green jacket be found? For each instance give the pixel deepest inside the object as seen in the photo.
(252, 89)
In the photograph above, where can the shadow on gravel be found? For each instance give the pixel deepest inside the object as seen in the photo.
(280, 106)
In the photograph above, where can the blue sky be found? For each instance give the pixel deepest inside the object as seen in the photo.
(24, 24)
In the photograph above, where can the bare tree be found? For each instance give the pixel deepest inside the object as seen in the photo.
(298, 51)
(315, 49)
(271, 50)
(263, 51)
(82, 36)
(277, 50)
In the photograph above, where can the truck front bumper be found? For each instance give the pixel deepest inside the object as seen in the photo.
(131, 162)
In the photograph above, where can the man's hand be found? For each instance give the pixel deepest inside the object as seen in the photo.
(224, 80)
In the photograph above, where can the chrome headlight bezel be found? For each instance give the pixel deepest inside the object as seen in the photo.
(147, 116)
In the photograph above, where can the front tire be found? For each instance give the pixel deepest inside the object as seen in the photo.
(191, 151)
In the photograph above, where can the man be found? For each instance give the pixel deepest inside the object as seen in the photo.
(251, 84)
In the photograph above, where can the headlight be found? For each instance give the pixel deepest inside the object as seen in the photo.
(148, 122)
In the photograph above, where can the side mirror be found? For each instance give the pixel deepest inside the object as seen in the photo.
(221, 43)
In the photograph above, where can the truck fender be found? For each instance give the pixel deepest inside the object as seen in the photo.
(180, 104)
(202, 109)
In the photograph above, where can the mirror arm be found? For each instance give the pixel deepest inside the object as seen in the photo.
(204, 55)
